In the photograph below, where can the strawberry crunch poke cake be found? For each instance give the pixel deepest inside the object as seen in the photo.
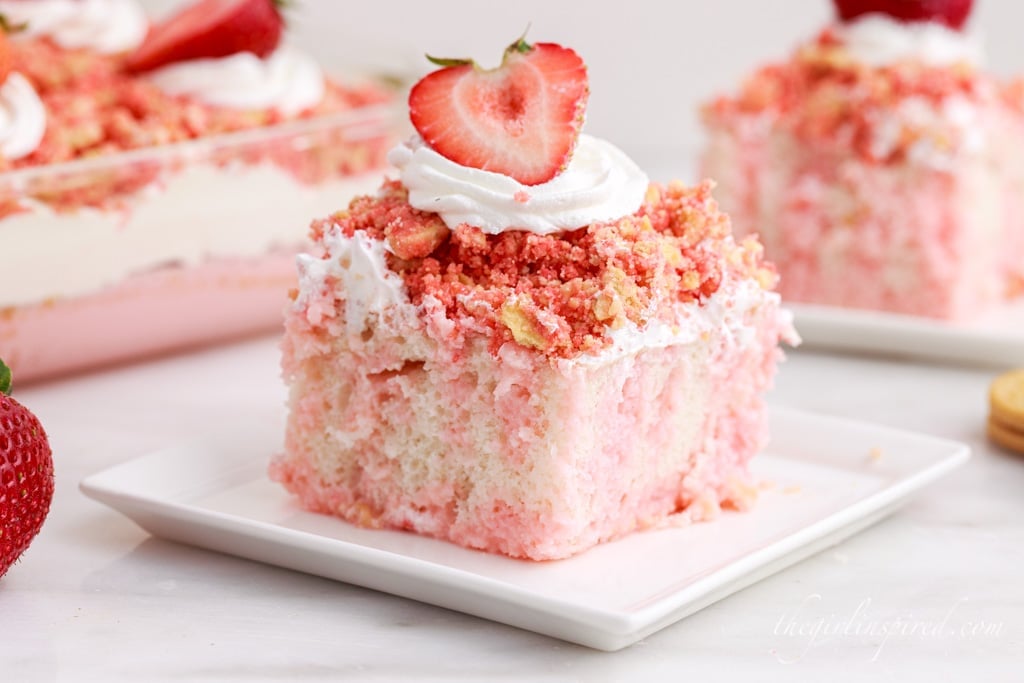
(881, 165)
(151, 176)
(521, 345)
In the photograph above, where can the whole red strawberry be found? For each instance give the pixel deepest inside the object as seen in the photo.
(210, 29)
(521, 119)
(26, 475)
(952, 13)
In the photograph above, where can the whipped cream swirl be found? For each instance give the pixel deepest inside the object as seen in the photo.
(879, 40)
(106, 26)
(22, 117)
(600, 184)
(287, 80)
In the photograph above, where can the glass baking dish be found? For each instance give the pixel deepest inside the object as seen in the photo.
(159, 249)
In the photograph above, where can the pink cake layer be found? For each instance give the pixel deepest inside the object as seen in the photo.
(938, 243)
(521, 457)
(154, 312)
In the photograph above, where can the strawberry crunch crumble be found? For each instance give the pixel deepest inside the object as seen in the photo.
(94, 107)
(823, 96)
(562, 293)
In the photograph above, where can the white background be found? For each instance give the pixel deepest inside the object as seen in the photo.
(97, 599)
(651, 62)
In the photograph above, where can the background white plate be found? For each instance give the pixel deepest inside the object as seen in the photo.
(995, 339)
(826, 478)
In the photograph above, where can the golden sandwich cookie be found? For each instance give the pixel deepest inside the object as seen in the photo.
(1004, 436)
(1006, 400)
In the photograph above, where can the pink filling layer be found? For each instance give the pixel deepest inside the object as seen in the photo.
(150, 313)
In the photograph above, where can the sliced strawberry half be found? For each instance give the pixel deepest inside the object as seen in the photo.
(211, 28)
(952, 13)
(521, 119)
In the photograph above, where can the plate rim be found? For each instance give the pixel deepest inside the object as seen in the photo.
(822, 326)
(614, 629)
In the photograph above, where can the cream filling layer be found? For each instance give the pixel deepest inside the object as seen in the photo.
(202, 213)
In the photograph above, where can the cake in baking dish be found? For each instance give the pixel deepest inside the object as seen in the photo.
(881, 165)
(519, 344)
(153, 178)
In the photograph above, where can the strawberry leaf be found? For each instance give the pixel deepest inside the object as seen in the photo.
(7, 27)
(5, 379)
(448, 61)
(520, 46)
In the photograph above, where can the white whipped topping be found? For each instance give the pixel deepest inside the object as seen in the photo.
(600, 184)
(879, 40)
(941, 133)
(358, 263)
(287, 80)
(725, 313)
(107, 26)
(22, 117)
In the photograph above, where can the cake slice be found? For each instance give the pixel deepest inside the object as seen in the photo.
(526, 369)
(881, 165)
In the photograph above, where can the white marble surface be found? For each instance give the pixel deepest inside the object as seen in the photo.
(95, 598)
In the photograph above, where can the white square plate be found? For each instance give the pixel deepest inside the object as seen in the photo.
(826, 478)
(995, 339)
